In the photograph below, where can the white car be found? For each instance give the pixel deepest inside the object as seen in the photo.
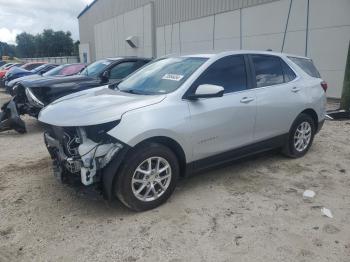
(179, 115)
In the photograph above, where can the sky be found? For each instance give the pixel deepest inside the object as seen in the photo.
(33, 16)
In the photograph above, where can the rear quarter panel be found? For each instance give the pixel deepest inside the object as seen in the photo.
(317, 98)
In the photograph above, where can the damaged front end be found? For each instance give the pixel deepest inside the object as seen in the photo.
(81, 152)
(23, 102)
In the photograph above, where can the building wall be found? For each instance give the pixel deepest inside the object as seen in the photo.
(188, 26)
(249, 28)
(110, 35)
(165, 12)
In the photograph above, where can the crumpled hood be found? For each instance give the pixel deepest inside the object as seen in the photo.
(93, 107)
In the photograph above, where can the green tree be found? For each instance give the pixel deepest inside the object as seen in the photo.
(7, 50)
(345, 100)
(25, 45)
(48, 43)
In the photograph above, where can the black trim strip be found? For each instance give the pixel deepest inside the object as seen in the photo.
(235, 154)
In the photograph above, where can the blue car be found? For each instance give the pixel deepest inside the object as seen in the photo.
(18, 72)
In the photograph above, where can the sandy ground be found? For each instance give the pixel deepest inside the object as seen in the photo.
(252, 210)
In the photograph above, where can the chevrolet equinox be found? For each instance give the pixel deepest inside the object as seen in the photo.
(178, 115)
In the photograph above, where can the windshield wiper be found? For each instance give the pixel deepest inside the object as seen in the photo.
(134, 92)
(113, 86)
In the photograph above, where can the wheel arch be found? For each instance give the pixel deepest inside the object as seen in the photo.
(312, 113)
(173, 146)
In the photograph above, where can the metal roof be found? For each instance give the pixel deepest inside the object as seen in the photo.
(87, 8)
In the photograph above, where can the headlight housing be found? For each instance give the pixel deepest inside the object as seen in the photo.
(98, 133)
(33, 100)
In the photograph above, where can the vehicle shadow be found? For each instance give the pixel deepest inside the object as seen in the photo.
(33, 126)
(235, 172)
(232, 170)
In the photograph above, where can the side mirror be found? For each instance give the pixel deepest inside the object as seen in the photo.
(105, 76)
(207, 91)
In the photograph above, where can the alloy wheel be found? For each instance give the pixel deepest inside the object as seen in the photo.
(151, 179)
(302, 136)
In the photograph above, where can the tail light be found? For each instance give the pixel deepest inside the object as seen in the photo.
(324, 85)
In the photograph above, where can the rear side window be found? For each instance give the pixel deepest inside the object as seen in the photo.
(307, 65)
(289, 74)
(228, 72)
(268, 70)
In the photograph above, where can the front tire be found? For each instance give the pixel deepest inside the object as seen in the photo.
(148, 178)
(301, 136)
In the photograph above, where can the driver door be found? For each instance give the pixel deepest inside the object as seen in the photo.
(221, 124)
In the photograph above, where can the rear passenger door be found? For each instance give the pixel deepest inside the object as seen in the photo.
(279, 96)
(223, 123)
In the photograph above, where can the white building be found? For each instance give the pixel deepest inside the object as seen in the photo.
(319, 29)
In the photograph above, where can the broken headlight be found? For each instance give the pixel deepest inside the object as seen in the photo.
(98, 133)
(96, 149)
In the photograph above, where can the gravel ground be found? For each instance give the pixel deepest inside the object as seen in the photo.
(252, 210)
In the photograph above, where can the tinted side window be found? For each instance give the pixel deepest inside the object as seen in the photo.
(268, 70)
(307, 65)
(228, 72)
(122, 70)
(289, 74)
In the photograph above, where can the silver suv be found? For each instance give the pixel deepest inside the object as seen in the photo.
(179, 115)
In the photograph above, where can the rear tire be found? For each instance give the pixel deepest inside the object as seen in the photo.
(148, 178)
(301, 136)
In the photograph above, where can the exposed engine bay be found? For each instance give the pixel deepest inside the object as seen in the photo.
(82, 152)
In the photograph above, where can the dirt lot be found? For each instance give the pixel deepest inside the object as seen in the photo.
(252, 210)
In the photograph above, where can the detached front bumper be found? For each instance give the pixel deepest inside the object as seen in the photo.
(88, 163)
(10, 118)
(2, 82)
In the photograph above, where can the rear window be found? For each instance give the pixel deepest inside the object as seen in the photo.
(307, 65)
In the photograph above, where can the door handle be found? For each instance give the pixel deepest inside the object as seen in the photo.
(295, 89)
(246, 100)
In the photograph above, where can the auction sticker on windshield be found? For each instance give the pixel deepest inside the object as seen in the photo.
(173, 77)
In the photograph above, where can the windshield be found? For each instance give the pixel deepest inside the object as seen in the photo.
(37, 69)
(7, 66)
(96, 68)
(162, 76)
(55, 71)
(4, 66)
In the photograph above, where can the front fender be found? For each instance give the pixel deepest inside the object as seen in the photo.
(172, 121)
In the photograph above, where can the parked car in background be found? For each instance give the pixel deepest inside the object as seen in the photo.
(29, 97)
(2, 63)
(62, 70)
(15, 68)
(18, 72)
(67, 70)
(31, 65)
(6, 68)
(179, 115)
(39, 93)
